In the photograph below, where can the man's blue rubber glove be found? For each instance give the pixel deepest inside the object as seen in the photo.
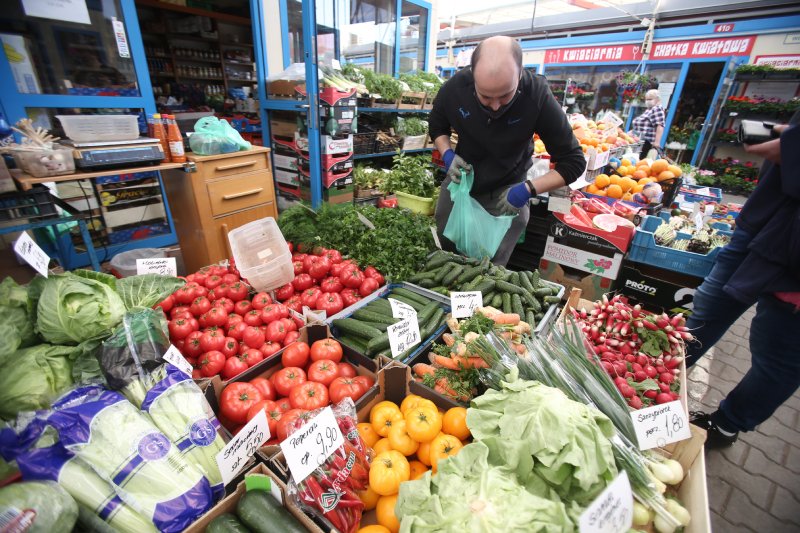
(454, 164)
(515, 198)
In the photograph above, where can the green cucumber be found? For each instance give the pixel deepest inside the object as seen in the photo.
(506, 302)
(550, 300)
(543, 291)
(497, 301)
(356, 343)
(525, 282)
(470, 286)
(486, 285)
(486, 262)
(516, 305)
(509, 288)
(369, 316)
(261, 513)
(451, 276)
(377, 325)
(530, 318)
(378, 344)
(411, 295)
(427, 312)
(226, 523)
(534, 277)
(350, 326)
(446, 269)
(437, 260)
(533, 303)
(380, 306)
(469, 274)
(428, 283)
(444, 291)
(539, 316)
(487, 298)
(432, 325)
(514, 279)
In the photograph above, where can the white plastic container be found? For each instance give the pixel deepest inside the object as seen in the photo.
(95, 128)
(261, 254)
(124, 264)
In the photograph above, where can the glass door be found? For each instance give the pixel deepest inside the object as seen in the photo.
(709, 126)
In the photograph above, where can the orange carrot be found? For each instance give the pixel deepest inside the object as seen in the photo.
(519, 348)
(506, 335)
(511, 319)
(448, 339)
(445, 362)
(477, 362)
(422, 369)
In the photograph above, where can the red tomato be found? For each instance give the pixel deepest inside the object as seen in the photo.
(196, 374)
(179, 344)
(229, 278)
(372, 272)
(310, 296)
(346, 370)
(225, 303)
(212, 340)
(233, 319)
(289, 324)
(270, 408)
(222, 291)
(237, 330)
(365, 381)
(211, 363)
(283, 404)
(334, 256)
(264, 386)
(291, 337)
(185, 295)
(166, 304)
(261, 300)
(291, 246)
(270, 348)
(213, 281)
(336, 269)
(308, 262)
(200, 291)
(297, 256)
(276, 331)
(179, 328)
(302, 282)
(297, 266)
(238, 291)
(326, 349)
(237, 399)
(286, 425)
(330, 302)
(309, 396)
(200, 306)
(349, 296)
(288, 377)
(351, 277)
(253, 318)
(320, 268)
(270, 314)
(179, 311)
(230, 348)
(323, 371)
(368, 286)
(331, 284)
(200, 278)
(283, 311)
(284, 292)
(217, 316)
(191, 345)
(342, 388)
(296, 355)
(253, 337)
(242, 307)
(193, 323)
(233, 367)
(294, 303)
(252, 356)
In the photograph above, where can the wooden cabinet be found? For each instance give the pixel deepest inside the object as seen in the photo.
(225, 192)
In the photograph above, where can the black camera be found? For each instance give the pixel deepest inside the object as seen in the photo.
(756, 132)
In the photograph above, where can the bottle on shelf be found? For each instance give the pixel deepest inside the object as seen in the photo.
(177, 153)
(160, 133)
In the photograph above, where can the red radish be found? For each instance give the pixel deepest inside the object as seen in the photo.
(664, 398)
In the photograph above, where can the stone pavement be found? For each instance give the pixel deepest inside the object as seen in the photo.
(755, 484)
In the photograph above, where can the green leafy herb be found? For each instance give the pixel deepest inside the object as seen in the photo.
(411, 175)
(411, 126)
(477, 323)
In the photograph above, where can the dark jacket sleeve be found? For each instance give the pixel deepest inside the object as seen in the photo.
(554, 129)
(438, 124)
(790, 159)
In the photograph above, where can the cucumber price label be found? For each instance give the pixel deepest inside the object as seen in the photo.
(402, 309)
(403, 335)
(660, 425)
(464, 304)
(309, 447)
(612, 511)
(164, 266)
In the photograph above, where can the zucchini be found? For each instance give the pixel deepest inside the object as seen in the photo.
(369, 316)
(350, 326)
(486, 285)
(516, 305)
(506, 302)
(226, 523)
(497, 301)
(261, 513)
(411, 295)
(469, 274)
(451, 276)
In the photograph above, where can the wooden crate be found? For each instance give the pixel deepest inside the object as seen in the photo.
(418, 100)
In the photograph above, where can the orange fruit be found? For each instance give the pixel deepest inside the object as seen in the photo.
(611, 139)
(675, 169)
(602, 192)
(627, 184)
(614, 191)
(374, 528)
(625, 162)
(658, 166)
(417, 469)
(385, 513)
(382, 445)
(665, 175)
(602, 181)
(645, 181)
(455, 423)
(592, 188)
(368, 434)
(627, 196)
(637, 188)
(369, 497)
(639, 174)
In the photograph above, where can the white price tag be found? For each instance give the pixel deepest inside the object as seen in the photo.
(28, 250)
(612, 511)
(402, 309)
(403, 336)
(364, 220)
(558, 205)
(660, 425)
(314, 316)
(174, 357)
(436, 240)
(463, 304)
(309, 446)
(698, 221)
(232, 458)
(122, 40)
(335, 64)
(164, 266)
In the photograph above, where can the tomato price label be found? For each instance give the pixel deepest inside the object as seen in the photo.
(164, 266)
(660, 425)
(402, 309)
(403, 335)
(174, 357)
(611, 511)
(28, 250)
(235, 455)
(309, 447)
(464, 304)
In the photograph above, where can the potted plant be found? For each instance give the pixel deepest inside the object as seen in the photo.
(411, 180)
(413, 131)
(632, 86)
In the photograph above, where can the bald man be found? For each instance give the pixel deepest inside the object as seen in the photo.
(495, 107)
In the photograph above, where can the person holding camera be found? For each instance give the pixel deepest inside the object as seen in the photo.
(760, 265)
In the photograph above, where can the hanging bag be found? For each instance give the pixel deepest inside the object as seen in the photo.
(475, 232)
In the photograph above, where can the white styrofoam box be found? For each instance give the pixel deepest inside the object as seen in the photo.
(88, 128)
(134, 215)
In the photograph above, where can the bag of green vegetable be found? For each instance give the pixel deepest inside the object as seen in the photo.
(16, 327)
(474, 231)
(470, 493)
(37, 507)
(33, 377)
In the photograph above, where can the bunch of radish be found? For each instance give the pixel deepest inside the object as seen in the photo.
(641, 351)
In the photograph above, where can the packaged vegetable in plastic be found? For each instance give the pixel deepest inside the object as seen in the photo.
(33, 377)
(214, 136)
(37, 507)
(474, 231)
(120, 443)
(331, 489)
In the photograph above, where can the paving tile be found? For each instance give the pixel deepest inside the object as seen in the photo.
(774, 449)
(792, 461)
(788, 416)
(740, 512)
(736, 454)
(729, 372)
(718, 493)
(742, 353)
(785, 506)
(718, 523)
(725, 347)
(759, 488)
(772, 427)
(758, 464)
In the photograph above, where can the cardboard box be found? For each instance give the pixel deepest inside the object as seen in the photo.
(338, 120)
(658, 289)
(329, 178)
(331, 164)
(287, 162)
(290, 178)
(592, 285)
(283, 128)
(414, 142)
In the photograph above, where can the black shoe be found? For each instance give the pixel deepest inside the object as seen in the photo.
(716, 438)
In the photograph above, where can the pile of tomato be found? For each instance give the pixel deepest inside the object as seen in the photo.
(309, 378)
(219, 329)
(325, 281)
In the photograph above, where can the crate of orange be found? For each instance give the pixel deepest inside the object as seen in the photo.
(630, 183)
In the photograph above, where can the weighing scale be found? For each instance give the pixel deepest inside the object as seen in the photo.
(100, 155)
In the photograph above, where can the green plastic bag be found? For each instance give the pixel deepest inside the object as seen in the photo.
(214, 136)
(475, 232)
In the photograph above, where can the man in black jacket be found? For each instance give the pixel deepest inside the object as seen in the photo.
(495, 107)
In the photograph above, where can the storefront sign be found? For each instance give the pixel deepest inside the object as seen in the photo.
(601, 54)
(727, 46)
(779, 61)
(792, 38)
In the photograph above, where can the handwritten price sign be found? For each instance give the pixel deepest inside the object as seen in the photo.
(402, 309)
(28, 250)
(464, 304)
(309, 447)
(612, 511)
(660, 425)
(403, 335)
(241, 448)
(176, 359)
(164, 266)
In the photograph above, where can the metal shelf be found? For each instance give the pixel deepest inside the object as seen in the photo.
(390, 110)
(386, 154)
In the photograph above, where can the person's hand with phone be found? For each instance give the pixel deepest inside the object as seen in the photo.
(770, 150)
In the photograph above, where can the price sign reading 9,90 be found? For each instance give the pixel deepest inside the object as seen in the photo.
(311, 445)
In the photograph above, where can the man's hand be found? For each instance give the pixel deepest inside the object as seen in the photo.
(454, 165)
(514, 198)
(770, 150)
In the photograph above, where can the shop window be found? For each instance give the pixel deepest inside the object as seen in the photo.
(74, 51)
(587, 90)
(413, 33)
